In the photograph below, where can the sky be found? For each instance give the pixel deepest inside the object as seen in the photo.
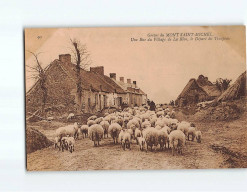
(161, 69)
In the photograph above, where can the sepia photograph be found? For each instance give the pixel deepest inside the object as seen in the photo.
(135, 98)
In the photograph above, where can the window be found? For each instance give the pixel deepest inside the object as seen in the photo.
(96, 99)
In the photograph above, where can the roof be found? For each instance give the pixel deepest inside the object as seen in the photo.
(188, 86)
(90, 80)
(94, 81)
(128, 87)
(210, 90)
(236, 90)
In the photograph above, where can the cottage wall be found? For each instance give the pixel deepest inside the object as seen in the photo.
(59, 91)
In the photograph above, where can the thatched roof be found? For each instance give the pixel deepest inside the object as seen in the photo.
(202, 84)
(191, 84)
(211, 90)
(236, 90)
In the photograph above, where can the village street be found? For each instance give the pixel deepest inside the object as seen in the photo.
(223, 146)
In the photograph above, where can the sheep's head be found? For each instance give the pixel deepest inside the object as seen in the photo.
(132, 127)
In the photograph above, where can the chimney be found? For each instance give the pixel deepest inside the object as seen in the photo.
(113, 76)
(122, 79)
(129, 81)
(134, 82)
(65, 58)
(97, 69)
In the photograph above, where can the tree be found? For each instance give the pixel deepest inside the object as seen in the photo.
(38, 74)
(222, 84)
(81, 58)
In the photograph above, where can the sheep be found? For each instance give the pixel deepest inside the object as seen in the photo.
(64, 143)
(151, 137)
(177, 141)
(120, 136)
(163, 138)
(72, 130)
(70, 144)
(172, 115)
(106, 114)
(160, 113)
(192, 132)
(50, 118)
(167, 129)
(90, 123)
(114, 130)
(198, 135)
(84, 131)
(70, 116)
(77, 130)
(153, 121)
(138, 133)
(56, 141)
(60, 132)
(95, 133)
(92, 118)
(126, 140)
(160, 122)
(105, 125)
(120, 121)
(135, 122)
(146, 124)
(184, 127)
(98, 120)
(142, 143)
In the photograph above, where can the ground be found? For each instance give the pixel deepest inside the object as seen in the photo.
(223, 146)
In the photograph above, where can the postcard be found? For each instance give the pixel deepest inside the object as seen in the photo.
(135, 98)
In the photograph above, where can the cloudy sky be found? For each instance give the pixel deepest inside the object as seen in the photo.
(161, 69)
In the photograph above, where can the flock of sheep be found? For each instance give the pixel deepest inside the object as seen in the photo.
(147, 128)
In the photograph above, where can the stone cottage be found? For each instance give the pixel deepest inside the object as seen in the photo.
(99, 91)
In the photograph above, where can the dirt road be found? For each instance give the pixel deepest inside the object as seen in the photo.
(223, 146)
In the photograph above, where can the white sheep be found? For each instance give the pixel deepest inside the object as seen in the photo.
(56, 141)
(71, 116)
(198, 135)
(177, 141)
(72, 130)
(184, 127)
(95, 133)
(98, 120)
(138, 133)
(120, 136)
(153, 121)
(105, 125)
(151, 137)
(126, 140)
(146, 124)
(163, 138)
(142, 143)
(160, 122)
(114, 130)
(92, 118)
(84, 131)
(135, 122)
(90, 123)
(60, 132)
(70, 144)
(192, 132)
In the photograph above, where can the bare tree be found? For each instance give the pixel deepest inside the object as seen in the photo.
(81, 58)
(38, 74)
(222, 84)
